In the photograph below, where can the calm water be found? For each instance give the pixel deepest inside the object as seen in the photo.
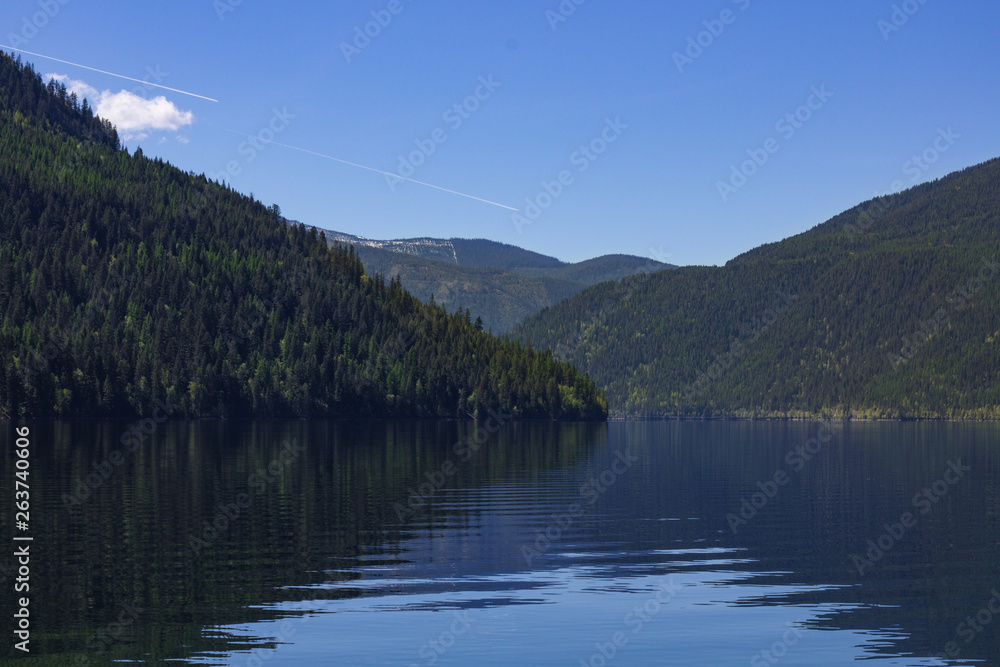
(401, 544)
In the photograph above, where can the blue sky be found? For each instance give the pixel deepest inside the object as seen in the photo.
(661, 132)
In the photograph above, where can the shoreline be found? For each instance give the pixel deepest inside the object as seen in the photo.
(613, 418)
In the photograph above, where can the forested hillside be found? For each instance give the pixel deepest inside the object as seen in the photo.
(891, 309)
(129, 285)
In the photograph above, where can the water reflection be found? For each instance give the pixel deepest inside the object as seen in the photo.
(380, 543)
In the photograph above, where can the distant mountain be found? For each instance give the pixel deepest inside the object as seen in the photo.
(493, 255)
(500, 283)
(891, 309)
(480, 253)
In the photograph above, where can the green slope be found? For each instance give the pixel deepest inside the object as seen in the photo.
(129, 285)
(891, 309)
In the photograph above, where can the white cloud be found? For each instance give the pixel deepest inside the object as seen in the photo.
(134, 116)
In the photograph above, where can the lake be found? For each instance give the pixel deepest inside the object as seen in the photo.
(427, 543)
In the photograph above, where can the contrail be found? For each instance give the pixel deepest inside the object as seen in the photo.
(93, 69)
(377, 171)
